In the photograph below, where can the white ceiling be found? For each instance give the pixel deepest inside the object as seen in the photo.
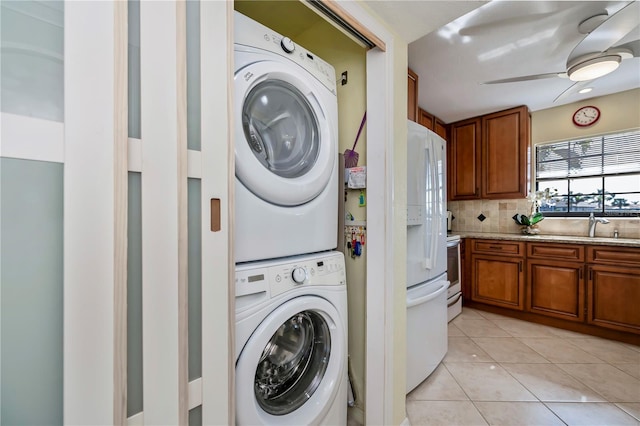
(498, 40)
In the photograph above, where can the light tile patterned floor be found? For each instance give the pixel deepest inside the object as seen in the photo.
(501, 371)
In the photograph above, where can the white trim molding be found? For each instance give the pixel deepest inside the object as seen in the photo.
(381, 285)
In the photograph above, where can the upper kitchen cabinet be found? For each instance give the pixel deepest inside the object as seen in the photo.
(433, 123)
(425, 119)
(440, 128)
(505, 144)
(412, 96)
(487, 156)
(463, 160)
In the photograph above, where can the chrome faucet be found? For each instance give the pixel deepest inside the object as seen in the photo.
(593, 221)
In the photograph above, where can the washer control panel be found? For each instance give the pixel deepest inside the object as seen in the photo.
(302, 271)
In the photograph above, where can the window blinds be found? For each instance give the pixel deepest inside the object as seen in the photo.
(594, 156)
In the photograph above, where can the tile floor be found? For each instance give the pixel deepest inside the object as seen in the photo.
(502, 371)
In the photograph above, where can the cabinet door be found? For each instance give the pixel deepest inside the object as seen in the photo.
(464, 160)
(440, 128)
(505, 144)
(556, 289)
(425, 119)
(613, 295)
(498, 281)
(412, 96)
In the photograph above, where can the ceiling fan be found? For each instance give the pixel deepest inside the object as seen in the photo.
(597, 53)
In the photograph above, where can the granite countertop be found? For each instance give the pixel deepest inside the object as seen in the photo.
(567, 239)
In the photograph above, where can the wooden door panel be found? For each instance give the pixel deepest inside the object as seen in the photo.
(412, 95)
(613, 298)
(464, 161)
(425, 119)
(441, 129)
(556, 289)
(498, 282)
(505, 142)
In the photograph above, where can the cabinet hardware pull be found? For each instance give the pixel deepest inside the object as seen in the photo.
(495, 247)
(590, 274)
(215, 214)
(520, 266)
(580, 273)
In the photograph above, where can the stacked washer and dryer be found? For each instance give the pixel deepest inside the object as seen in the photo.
(291, 298)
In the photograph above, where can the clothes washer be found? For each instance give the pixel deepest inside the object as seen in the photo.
(286, 161)
(291, 341)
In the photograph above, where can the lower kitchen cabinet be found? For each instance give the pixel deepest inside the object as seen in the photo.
(556, 289)
(498, 281)
(591, 289)
(614, 294)
(497, 276)
(555, 280)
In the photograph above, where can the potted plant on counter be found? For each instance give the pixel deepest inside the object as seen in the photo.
(529, 223)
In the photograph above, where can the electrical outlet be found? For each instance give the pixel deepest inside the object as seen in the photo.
(343, 78)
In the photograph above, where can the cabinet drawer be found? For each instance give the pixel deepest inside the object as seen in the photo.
(555, 251)
(608, 255)
(506, 248)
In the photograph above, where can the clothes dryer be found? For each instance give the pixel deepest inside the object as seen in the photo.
(286, 118)
(291, 341)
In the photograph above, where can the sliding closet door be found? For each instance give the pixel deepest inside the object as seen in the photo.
(114, 228)
(32, 62)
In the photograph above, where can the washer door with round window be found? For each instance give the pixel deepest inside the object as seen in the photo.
(285, 151)
(292, 366)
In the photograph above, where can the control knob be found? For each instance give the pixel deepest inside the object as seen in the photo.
(299, 275)
(287, 45)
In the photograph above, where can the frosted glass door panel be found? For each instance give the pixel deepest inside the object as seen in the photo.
(134, 297)
(32, 59)
(31, 292)
(195, 416)
(195, 279)
(134, 69)
(193, 75)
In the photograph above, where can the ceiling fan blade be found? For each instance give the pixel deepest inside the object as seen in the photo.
(526, 78)
(478, 29)
(608, 33)
(572, 89)
(633, 46)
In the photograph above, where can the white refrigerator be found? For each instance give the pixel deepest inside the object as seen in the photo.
(426, 253)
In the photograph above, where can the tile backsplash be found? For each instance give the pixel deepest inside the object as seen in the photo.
(498, 218)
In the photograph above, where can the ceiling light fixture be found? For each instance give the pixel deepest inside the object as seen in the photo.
(594, 68)
(585, 90)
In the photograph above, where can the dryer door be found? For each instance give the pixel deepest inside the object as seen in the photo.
(292, 366)
(285, 148)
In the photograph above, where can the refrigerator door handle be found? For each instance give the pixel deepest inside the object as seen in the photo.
(431, 174)
(426, 298)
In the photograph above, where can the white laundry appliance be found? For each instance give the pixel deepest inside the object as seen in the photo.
(286, 146)
(426, 253)
(291, 341)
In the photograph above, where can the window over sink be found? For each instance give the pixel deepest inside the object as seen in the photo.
(597, 174)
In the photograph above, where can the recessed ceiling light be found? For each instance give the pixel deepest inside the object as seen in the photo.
(585, 90)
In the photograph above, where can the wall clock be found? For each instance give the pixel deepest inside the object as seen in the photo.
(586, 116)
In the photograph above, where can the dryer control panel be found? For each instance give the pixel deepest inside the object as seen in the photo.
(253, 34)
(275, 277)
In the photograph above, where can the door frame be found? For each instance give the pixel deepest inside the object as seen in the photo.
(383, 350)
